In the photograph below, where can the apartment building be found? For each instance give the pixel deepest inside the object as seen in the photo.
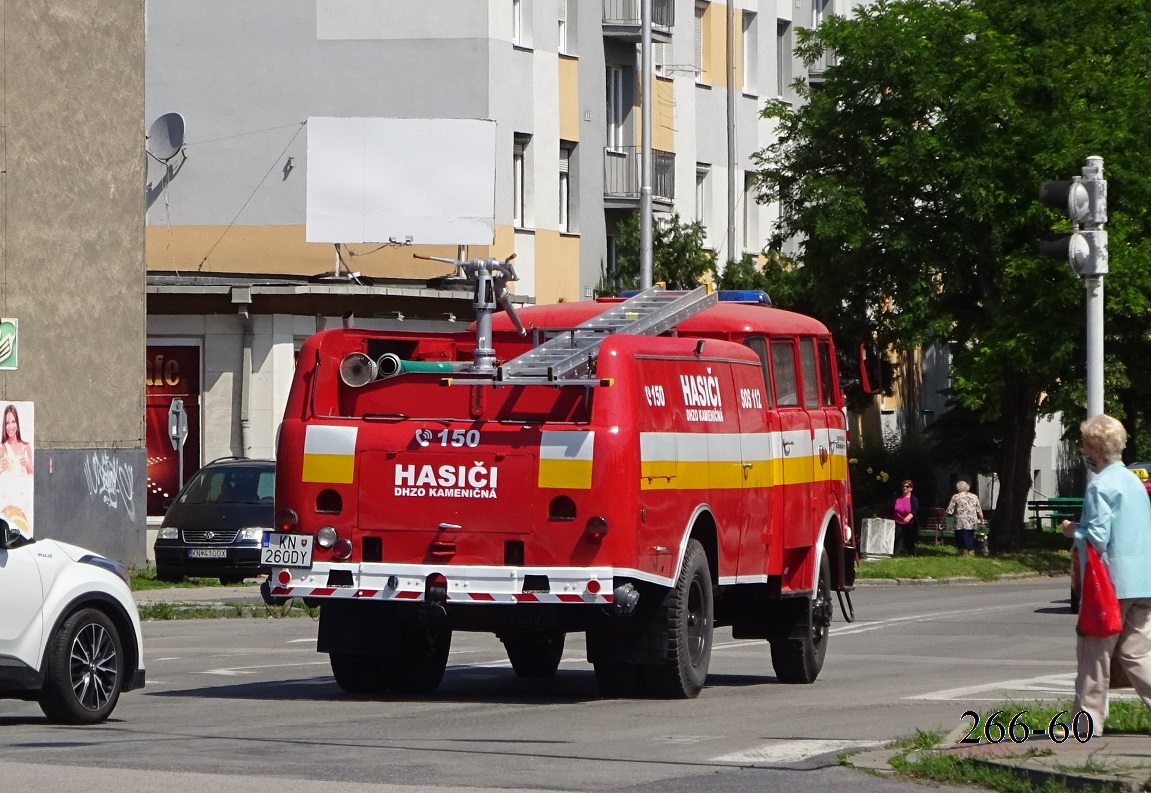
(233, 285)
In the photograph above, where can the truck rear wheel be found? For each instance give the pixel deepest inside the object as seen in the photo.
(422, 657)
(534, 655)
(357, 674)
(686, 616)
(799, 657)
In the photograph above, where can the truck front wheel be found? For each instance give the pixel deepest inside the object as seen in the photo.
(798, 658)
(687, 618)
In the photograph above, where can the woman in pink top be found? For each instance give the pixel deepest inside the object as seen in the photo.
(906, 510)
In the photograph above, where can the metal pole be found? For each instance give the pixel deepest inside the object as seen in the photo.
(1094, 289)
(645, 210)
(731, 189)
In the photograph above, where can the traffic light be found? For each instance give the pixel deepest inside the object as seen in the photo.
(1084, 199)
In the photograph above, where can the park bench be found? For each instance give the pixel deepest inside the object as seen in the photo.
(1055, 510)
(939, 526)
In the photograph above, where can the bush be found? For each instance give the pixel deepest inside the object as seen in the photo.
(877, 471)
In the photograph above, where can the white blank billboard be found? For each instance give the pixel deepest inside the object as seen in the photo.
(385, 179)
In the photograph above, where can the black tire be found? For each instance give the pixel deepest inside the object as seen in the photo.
(687, 618)
(535, 655)
(423, 655)
(84, 669)
(171, 576)
(357, 674)
(1074, 601)
(800, 659)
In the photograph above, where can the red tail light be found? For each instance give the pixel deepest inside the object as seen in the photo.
(286, 519)
(596, 527)
(342, 549)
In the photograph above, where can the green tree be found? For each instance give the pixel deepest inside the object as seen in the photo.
(777, 275)
(680, 259)
(910, 176)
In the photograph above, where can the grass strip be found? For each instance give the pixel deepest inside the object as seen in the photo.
(1042, 553)
(201, 611)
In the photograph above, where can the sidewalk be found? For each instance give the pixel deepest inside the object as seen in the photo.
(1108, 762)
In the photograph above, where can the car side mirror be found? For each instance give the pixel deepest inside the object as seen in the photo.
(168, 502)
(9, 536)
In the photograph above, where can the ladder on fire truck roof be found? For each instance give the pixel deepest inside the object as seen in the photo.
(568, 358)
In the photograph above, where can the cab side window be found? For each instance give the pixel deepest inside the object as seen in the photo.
(783, 373)
(759, 345)
(826, 374)
(810, 383)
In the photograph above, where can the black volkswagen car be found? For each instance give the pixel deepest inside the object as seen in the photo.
(214, 527)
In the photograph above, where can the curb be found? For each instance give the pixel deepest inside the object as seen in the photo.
(959, 579)
(1039, 777)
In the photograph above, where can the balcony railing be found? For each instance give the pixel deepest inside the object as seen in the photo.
(622, 19)
(621, 174)
(815, 71)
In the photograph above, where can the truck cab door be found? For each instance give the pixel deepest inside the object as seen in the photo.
(797, 446)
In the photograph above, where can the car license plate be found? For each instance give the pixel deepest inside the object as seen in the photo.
(207, 553)
(286, 550)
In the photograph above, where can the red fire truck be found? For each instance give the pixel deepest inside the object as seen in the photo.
(639, 471)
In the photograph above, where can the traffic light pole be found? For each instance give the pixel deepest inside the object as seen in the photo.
(645, 162)
(1093, 286)
(1084, 199)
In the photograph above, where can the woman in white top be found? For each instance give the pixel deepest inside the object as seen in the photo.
(968, 514)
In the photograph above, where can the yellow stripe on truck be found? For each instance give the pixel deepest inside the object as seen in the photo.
(329, 455)
(566, 459)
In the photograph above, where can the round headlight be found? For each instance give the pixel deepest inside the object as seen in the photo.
(326, 537)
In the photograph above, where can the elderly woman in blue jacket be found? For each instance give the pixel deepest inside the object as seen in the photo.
(1116, 519)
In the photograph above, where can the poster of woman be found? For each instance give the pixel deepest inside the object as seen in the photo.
(17, 464)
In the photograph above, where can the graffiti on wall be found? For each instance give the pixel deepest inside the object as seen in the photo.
(111, 480)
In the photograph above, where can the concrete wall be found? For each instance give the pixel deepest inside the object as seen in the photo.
(71, 257)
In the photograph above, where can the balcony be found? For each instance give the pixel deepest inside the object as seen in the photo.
(815, 71)
(622, 20)
(621, 177)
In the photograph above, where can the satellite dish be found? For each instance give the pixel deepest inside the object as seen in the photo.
(166, 136)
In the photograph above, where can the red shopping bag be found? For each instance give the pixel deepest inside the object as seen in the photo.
(1099, 614)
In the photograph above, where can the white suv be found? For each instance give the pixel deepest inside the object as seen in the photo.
(69, 631)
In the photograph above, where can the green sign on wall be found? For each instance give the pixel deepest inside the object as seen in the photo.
(8, 345)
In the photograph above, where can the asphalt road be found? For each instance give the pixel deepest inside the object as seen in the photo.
(244, 702)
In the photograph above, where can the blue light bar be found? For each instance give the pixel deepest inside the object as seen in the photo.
(745, 296)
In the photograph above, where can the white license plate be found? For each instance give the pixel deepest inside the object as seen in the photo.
(207, 553)
(286, 550)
